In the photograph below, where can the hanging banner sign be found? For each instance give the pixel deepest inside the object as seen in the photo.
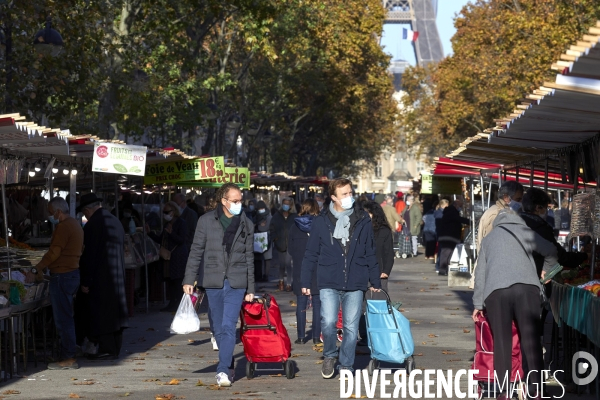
(184, 170)
(440, 184)
(238, 175)
(115, 158)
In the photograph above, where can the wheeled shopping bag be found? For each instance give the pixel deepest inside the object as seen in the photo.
(403, 244)
(264, 336)
(484, 359)
(389, 336)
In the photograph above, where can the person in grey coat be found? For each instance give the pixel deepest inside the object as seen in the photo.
(508, 287)
(224, 239)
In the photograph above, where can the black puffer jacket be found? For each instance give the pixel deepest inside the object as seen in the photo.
(297, 240)
(542, 228)
(384, 247)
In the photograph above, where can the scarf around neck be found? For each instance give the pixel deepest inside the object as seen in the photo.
(342, 226)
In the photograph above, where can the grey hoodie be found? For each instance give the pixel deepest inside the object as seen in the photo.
(503, 263)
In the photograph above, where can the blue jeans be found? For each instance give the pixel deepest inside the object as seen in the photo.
(62, 290)
(225, 305)
(301, 316)
(351, 307)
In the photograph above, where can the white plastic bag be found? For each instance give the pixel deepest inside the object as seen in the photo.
(186, 320)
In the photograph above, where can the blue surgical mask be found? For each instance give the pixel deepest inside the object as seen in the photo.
(347, 202)
(285, 207)
(53, 220)
(262, 211)
(515, 205)
(236, 209)
(251, 207)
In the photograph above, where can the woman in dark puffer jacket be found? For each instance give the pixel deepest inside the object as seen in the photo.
(297, 238)
(384, 242)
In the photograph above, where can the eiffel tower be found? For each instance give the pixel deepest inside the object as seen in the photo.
(420, 14)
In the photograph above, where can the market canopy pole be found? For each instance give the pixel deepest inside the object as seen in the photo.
(6, 228)
(145, 251)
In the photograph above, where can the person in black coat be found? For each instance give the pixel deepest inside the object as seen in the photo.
(173, 238)
(102, 268)
(535, 207)
(384, 242)
(449, 229)
(297, 238)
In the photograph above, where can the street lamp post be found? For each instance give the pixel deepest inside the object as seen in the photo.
(48, 41)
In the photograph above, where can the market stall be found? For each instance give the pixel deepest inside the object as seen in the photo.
(552, 139)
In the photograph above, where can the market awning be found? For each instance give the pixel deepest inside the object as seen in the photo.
(558, 122)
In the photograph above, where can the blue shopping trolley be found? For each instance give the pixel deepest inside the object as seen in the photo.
(389, 336)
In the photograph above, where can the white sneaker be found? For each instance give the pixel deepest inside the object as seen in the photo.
(223, 379)
(214, 343)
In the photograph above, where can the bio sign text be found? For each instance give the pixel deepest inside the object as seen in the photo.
(116, 158)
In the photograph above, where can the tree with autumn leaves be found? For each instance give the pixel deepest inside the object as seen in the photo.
(308, 74)
(502, 50)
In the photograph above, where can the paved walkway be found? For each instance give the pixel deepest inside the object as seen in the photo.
(156, 363)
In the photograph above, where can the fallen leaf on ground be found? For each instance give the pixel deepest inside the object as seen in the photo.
(275, 375)
(432, 322)
(118, 387)
(466, 331)
(75, 396)
(298, 355)
(424, 278)
(353, 396)
(125, 394)
(166, 396)
(200, 383)
(152, 380)
(138, 369)
(423, 342)
(73, 379)
(402, 310)
(11, 392)
(214, 386)
(173, 382)
(433, 335)
(84, 383)
(457, 359)
(319, 362)
(451, 308)
(419, 354)
(448, 352)
(293, 303)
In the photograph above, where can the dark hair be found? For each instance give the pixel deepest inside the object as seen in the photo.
(211, 203)
(535, 197)
(379, 220)
(338, 183)
(509, 188)
(309, 206)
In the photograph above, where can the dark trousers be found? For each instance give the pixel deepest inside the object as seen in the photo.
(110, 342)
(430, 248)
(446, 250)
(521, 303)
(62, 291)
(175, 292)
(302, 305)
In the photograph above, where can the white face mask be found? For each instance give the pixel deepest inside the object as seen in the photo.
(235, 209)
(407, 203)
(347, 202)
(320, 203)
(168, 217)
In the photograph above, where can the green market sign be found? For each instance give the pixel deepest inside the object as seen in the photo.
(440, 184)
(184, 170)
(238, 175)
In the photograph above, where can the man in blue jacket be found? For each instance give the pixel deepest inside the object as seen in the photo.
(342, 250)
